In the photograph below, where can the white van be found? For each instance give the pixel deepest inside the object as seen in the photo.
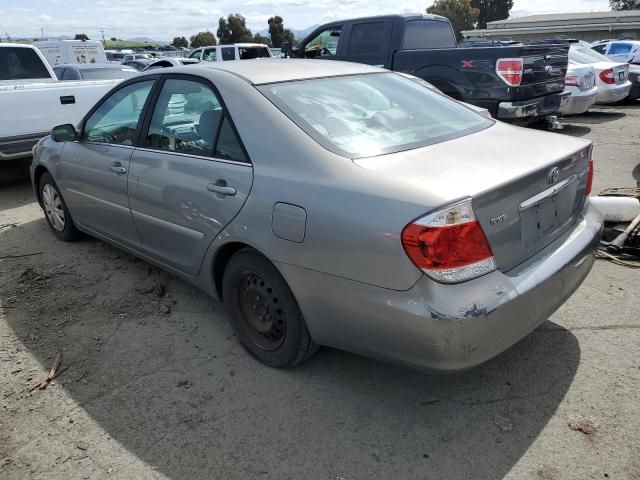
(58, 52)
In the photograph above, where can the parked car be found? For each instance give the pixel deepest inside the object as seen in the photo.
(59, 52)
(32, 100)
(139, 64)
(114, 56)
(237, 51)
(515, 82)
(634, 78)
(137, 56)
(611, 78)
(580, 82)
(623, 51)
(105, 71)
(170, 62)
(398, 225)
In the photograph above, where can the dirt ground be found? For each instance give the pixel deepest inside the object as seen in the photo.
(156, 385)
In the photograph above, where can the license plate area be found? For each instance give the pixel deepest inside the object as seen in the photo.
(548, 212)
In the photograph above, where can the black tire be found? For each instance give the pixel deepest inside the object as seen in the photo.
(264, 313)
(68, 232)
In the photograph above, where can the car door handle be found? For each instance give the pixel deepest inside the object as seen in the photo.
(221, 188)
(118, 168)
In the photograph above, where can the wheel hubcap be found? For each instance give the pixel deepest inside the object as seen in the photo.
(53, 207)
(262, 312)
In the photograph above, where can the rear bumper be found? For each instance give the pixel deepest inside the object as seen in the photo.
(634, 93)
(579, 102)
(446, 327)
(13, 148)
(613, 93)
(533, 108)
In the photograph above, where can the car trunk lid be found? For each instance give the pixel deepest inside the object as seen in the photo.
(524, 198)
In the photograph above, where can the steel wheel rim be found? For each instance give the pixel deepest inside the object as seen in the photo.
(263, 317)
(53, 207)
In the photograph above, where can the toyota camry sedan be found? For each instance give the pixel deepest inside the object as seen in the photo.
(330, 203)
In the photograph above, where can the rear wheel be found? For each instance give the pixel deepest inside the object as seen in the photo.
(264, 312)
(56, 211)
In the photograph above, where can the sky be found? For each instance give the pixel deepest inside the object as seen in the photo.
(164, 19)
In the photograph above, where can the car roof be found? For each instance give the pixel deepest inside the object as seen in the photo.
(91, 66)
(275, 70)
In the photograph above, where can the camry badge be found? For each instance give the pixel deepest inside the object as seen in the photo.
(552, 176)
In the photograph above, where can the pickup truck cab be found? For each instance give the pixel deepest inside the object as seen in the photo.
(515, 82)
(33, 100)
(237, 51)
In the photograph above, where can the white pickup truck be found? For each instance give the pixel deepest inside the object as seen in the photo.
(33, 101)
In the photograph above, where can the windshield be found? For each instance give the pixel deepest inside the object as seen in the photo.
(367, 115)
(586, 56)
(107, 73)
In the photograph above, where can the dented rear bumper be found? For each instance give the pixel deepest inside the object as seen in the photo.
(447, 327)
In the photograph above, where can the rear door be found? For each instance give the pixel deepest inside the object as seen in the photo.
(93, 170)
(191, 175)
(368, 42)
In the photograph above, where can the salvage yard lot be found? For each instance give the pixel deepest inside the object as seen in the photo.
(158, 387)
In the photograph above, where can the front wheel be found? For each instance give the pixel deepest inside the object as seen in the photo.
(264, 313)
(56, 211)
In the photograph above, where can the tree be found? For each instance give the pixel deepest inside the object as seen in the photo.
(276, 30)
(81, 36)
(114, 39)
(201, 39)
(491, 10)
(618, 5)
(460, 13)
(257, 38)
(233, 29)
(181, 42)
(288, 36)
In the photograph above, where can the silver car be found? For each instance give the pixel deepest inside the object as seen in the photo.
(330, 203)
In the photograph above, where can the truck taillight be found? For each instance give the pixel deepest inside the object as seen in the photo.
(510, 70)
(572, 81)
(587, 191)
(449, 245)
(607, 76)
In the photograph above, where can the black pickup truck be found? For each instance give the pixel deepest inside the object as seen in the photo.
(515, 82)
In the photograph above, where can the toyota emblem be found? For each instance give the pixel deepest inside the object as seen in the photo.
(552, 176)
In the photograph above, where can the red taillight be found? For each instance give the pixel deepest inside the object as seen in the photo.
(587, 191)
(449, 245)
(607, 76)
(572, 81)
(510, 70)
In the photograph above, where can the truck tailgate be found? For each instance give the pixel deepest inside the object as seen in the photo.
(545, 67)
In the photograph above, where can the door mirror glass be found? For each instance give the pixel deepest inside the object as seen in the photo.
(64, 133)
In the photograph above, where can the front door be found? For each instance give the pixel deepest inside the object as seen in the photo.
(190, 177)
(93, 170)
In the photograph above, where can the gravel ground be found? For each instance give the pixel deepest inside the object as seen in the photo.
(158, 387)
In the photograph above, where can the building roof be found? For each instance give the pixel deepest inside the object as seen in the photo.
(576, 18)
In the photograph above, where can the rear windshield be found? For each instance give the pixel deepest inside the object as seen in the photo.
(249, 53)
(428, 34)
(367, 115)
(108, 73)
(18, 63)
(585, 55)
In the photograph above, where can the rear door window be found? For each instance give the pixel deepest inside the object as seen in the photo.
(228, 53)
(249, 53)
(368, 37)
(419, 34)
(620, 48)
(17, 63)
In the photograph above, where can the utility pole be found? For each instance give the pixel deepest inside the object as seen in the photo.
(42, 33)
(104, 42)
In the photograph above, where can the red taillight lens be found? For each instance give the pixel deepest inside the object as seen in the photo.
(510, 70)
(587, 191)
(449, 245)
(572, 81)
(607, 76)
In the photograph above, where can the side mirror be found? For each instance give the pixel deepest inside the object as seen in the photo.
(64, 133)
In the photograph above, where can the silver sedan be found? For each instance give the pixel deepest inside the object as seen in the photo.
(330, 203)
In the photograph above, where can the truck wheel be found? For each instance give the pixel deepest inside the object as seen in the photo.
(264, 313)
(56, 211)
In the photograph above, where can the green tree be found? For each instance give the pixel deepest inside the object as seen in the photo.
(201, 39)
(114, 39)
(288, 36)
(276, 30)
(181, 42)
(619, 5)
(81, 36)
(491, 10)
(233, 29)
(257, 38)
(460, 13)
